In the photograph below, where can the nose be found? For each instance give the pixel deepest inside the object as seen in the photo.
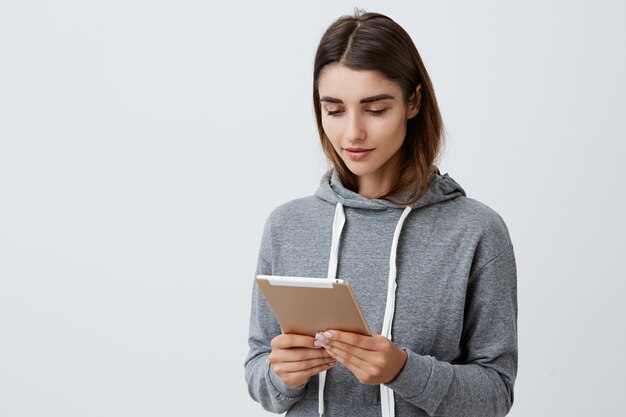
(355, 129)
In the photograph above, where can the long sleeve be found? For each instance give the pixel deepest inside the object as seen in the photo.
(264, 385)
(481, 383)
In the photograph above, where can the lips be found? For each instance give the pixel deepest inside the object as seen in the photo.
(358, 154)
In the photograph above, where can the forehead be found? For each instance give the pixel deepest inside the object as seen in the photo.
(347, 84)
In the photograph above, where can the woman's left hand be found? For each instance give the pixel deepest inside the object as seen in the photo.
(372, 359)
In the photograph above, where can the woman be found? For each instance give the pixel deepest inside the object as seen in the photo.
(433, 271)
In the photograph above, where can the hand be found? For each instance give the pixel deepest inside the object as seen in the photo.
(372, 359)
(295, 358)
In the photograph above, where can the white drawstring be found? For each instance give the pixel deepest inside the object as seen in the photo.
(338, 222)
(387, 401)
(386, 394)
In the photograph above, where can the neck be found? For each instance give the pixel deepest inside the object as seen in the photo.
(371, 188)
(378, 184)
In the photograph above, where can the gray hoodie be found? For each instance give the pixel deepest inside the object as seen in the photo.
(455, 303)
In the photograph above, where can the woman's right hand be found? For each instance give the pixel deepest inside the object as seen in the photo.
(295, 358)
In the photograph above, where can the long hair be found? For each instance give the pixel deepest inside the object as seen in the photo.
(372, 41)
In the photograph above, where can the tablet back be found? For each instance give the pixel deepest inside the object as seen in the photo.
(310, 305)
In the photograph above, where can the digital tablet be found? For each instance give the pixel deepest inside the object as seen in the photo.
(310, 305)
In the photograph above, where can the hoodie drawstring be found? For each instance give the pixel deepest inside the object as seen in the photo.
(338, 222)
(387, 402)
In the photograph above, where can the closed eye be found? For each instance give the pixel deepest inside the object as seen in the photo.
(377, 112)
(333, 112)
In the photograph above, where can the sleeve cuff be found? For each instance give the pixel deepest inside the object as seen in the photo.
(423, 381)
(413, 378)
(282, 388)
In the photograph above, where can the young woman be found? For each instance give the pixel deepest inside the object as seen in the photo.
(433, 271)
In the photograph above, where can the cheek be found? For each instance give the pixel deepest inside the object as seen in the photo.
(332, 131)
(395, 128)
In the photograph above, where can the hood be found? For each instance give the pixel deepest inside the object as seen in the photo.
(440, 188)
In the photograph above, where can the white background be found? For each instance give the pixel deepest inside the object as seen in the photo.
(143, 144)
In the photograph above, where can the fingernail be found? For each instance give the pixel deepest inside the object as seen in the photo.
(319, 343)
(328, 335)
(319, 336)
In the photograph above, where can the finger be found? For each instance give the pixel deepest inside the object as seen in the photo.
(347, 357)
(300, 377)
(355, 339)
(360, 368)
(351, 349)
(371, 360)
(370, 366)
(297, 354)
(290, 340)
(305, 365)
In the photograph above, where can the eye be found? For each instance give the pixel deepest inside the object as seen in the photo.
(376, 112)
(333, 112)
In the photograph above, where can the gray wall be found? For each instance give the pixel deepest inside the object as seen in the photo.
(143, 144)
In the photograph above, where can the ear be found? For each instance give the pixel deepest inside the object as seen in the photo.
(415, 102)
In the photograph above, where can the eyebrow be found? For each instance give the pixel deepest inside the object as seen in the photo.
(371, 99)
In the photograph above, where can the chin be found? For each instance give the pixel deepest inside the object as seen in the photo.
(359, 169)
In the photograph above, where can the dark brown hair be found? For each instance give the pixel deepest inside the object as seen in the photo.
(372, 41)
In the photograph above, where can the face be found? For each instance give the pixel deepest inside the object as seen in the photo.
(365, 116)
